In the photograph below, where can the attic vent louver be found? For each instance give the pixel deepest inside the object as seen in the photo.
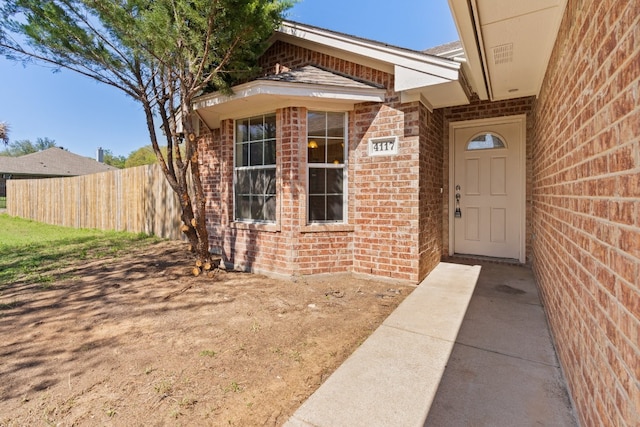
(503, 54)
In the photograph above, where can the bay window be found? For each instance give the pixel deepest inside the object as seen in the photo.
(326, 167)
(255, 169)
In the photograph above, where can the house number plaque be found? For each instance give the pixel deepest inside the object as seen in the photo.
(383, 146)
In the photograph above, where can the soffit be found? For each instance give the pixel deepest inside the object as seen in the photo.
(507, 43)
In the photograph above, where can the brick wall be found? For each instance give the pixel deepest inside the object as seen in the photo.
(586, 206)
(393, 201)
(431, 149)
(386, 191)
(486, 110)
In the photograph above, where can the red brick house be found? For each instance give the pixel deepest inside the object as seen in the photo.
(349, 155)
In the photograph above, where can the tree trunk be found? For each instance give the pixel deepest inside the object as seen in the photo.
(193, 221)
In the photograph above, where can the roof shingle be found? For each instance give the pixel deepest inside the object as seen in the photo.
(312, 74)
(54, 161)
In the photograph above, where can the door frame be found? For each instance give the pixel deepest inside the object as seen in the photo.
(520, 119)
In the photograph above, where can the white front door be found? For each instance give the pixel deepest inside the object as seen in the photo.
(488, 188)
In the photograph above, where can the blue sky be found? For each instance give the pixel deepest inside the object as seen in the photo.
(82, 115)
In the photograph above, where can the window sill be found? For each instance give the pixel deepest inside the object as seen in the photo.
(269, 228)
(323, 228)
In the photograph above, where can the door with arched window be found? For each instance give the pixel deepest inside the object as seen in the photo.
(487, 213)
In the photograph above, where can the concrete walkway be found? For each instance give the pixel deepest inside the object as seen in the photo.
(501, 368)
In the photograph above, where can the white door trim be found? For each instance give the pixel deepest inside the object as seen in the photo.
(520, 119)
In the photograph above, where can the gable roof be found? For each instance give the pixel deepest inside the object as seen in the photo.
(432, 80)
(54, 161)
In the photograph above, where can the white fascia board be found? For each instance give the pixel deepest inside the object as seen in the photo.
(297, 90)
(464, 21)
(442, 67)
(408, 79)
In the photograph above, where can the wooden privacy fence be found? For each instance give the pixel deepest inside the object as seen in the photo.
(137, 200)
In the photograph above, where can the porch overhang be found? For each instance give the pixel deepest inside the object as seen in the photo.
(433, 91)
(507, 44)
(261, 95)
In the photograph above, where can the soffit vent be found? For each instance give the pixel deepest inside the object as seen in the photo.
(503, 54)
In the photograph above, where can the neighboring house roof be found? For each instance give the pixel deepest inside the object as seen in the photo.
(451, 50)
(54, 161)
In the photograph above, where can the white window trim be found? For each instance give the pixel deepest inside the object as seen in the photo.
(252, 222)
(345, 174)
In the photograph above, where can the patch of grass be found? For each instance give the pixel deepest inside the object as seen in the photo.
(233, 387)
(10, 305)
(164, 387)
(209, 353)
(32, 251)
(187, 402)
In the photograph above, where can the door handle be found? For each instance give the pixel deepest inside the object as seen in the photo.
(458, 212)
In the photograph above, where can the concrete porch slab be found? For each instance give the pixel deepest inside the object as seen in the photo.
(392, 378)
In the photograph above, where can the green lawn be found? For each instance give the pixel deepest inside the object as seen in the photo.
(3, 202)
(33, 251)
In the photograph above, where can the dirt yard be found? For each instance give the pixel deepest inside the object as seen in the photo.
(137, 341)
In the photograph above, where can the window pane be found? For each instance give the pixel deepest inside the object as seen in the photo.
(316, 123)
(257, 203)
(335, 124)
(242, 130)
(243, 182)
(256, 128)
(270, 181)
(316, 150)
(270, 152)
(317, 179)
(316, 208)
(486, 141)
(270, 126)
(335, 151)
(334, 208)
(243, 207)
(255, 157)
(270, 208)
(242, 154)
(257, 182)
(334, 181)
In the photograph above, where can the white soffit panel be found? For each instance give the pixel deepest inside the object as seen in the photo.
(517, 39)
(407, 79)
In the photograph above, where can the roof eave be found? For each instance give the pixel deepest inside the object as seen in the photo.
(371, 53)
(474, 67)
(259, 95)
